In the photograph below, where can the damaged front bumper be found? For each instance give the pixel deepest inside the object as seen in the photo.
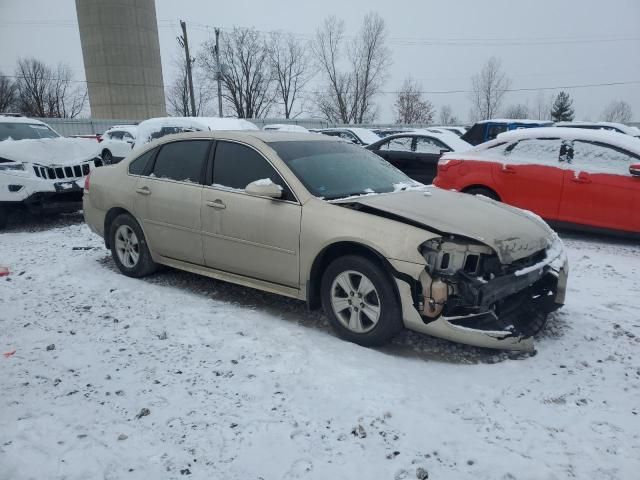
(494, 321)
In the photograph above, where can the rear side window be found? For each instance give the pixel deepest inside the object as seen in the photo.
(236, 166)
(430, 145)
(598, 157)
(139, 165)
(183, 161)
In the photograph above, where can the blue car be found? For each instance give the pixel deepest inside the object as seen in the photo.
(489, 129)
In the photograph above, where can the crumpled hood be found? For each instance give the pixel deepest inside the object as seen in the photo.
(512, 233)
(50, 151)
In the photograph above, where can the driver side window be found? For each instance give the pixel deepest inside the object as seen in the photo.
(235, 166)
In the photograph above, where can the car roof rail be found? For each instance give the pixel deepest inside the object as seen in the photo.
(11, 114)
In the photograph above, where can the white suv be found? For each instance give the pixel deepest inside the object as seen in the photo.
(39, 169)
(117, 143)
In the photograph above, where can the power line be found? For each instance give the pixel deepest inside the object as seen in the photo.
(428, 92)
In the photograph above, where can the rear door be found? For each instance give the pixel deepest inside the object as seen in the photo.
(168, 200)
(599, 190)
(529, 177)
(245, 234)
(428, 151)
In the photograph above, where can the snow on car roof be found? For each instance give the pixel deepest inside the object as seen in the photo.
(450, 139)
(285, 127)
(629, 130)
(148, 127)
(12, 119)
(615, 139)
(133, 129)
(524, 121)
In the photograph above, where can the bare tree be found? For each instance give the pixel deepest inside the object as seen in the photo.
(333, 103)
(178, 99)
(487, 89)
(246, 72)
(410, 107)
(542, 107)
(447, 117)
(7, 93)
(43, 91)
(349, 92)
(617, 111)
(290, 66)
(369, 58)
(519, 110)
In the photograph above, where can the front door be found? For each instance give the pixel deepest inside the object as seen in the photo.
(398, 151)
(168, 200)
(529, 175)
(599, 190)
(244, 234)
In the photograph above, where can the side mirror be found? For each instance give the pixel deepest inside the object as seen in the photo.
(634, 169)
(264, 188)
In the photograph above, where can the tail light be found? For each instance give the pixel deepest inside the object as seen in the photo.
(446, 164)
(87, 183)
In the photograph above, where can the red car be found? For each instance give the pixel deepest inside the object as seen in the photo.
(570, 177)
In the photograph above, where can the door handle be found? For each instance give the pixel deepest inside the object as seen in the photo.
(508, 169)
(216, 204)
(143, 191)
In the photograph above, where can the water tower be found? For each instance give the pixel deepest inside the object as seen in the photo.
(121, 54)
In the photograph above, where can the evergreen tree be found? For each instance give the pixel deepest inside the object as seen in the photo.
(562, 109)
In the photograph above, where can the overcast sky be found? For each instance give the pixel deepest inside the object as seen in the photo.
(441, 44)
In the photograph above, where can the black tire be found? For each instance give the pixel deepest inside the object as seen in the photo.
(389, 322)
(4, 216)
(107, 157)
(144, 265)
(483, 191)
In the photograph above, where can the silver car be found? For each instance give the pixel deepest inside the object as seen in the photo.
(327, 222)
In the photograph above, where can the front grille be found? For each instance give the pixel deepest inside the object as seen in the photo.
(74, 171)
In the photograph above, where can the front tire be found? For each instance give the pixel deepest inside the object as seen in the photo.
(129, 247)
(360, 301)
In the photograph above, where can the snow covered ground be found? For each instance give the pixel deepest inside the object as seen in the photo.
(178, 376)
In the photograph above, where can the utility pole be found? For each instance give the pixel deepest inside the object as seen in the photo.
(219, 74)
(185, 43)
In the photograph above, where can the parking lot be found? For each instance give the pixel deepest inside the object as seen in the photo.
(213, 380)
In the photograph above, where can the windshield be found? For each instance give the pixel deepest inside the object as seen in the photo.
(333, 170)
(25, 131)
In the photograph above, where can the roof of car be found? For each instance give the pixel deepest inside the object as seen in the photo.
(448, 138)
(629, 130)
(523, 121)
(14, 119)
(265, 136)
(616, 139)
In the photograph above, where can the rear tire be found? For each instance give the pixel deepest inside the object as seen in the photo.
(360, 301)
(107, 157)
(129, 247)
(483, 191)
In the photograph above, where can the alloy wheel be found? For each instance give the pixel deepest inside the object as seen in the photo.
(127, 246)
(355, 301)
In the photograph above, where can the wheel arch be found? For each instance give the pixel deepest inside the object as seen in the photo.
(111, 215)
(341, 249)
(482, 186)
